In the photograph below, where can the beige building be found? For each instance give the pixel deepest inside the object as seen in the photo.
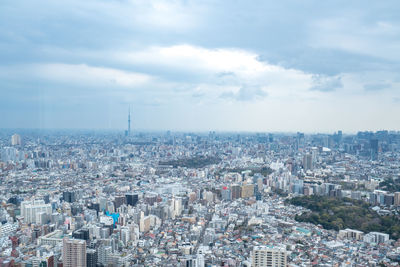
(144, 223)
(351, 234)
(247, 190)
(397, 198)
(74, 253)
(268, 256)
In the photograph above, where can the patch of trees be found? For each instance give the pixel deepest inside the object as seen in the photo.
(342, 213)
(265, 171)
(390, 185)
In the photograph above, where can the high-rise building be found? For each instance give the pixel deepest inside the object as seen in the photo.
(300, 142)
(69, 196)
(144, 223)
(308, 162)
(150, 198)
(236, 191)
(374, 149)
(397, 198)
(119, 201)
(74, 253)
(177, 202)
(104, 255)
(268, 256)
(226, 193)
(132, 199)
(8, 154)
(16, 140)
(91, 258)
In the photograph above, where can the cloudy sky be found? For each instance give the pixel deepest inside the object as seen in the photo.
(313, 66)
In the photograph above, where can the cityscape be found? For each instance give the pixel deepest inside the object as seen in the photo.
(199, 199)
(198, 133)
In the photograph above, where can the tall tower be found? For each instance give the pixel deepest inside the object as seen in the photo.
(129, 121)
(128, 131)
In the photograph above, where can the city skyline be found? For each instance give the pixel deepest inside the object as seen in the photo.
(189, 66)
(184, 133)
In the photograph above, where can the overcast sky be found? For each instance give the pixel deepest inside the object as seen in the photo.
(313, 66)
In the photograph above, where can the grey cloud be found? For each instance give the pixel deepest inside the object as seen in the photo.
(226, 74)
(376, 86)
(245, 93)
(325, 83)
(84, 32)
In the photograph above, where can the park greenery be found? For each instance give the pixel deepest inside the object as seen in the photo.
(194, 162)
(391, 185)
(342, 213)
(264, 171)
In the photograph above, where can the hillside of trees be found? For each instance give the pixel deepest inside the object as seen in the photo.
(341, 213)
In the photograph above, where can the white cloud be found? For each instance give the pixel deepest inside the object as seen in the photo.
(88, 75)
(239, 68)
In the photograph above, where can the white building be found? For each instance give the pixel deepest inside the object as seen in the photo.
(7, 229)
(34, 211)
(376, 237)
(16, 140)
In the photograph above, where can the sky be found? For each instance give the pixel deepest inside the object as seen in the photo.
(262, 66)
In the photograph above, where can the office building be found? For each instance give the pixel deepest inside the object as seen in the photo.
(374, 144)
(132, 199)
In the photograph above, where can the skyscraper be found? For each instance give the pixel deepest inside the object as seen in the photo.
(16, 140)
(374, 149)
(74, 253)
(308, 162)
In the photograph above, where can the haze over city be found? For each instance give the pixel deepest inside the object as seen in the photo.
(183, 133)
(308, 66)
